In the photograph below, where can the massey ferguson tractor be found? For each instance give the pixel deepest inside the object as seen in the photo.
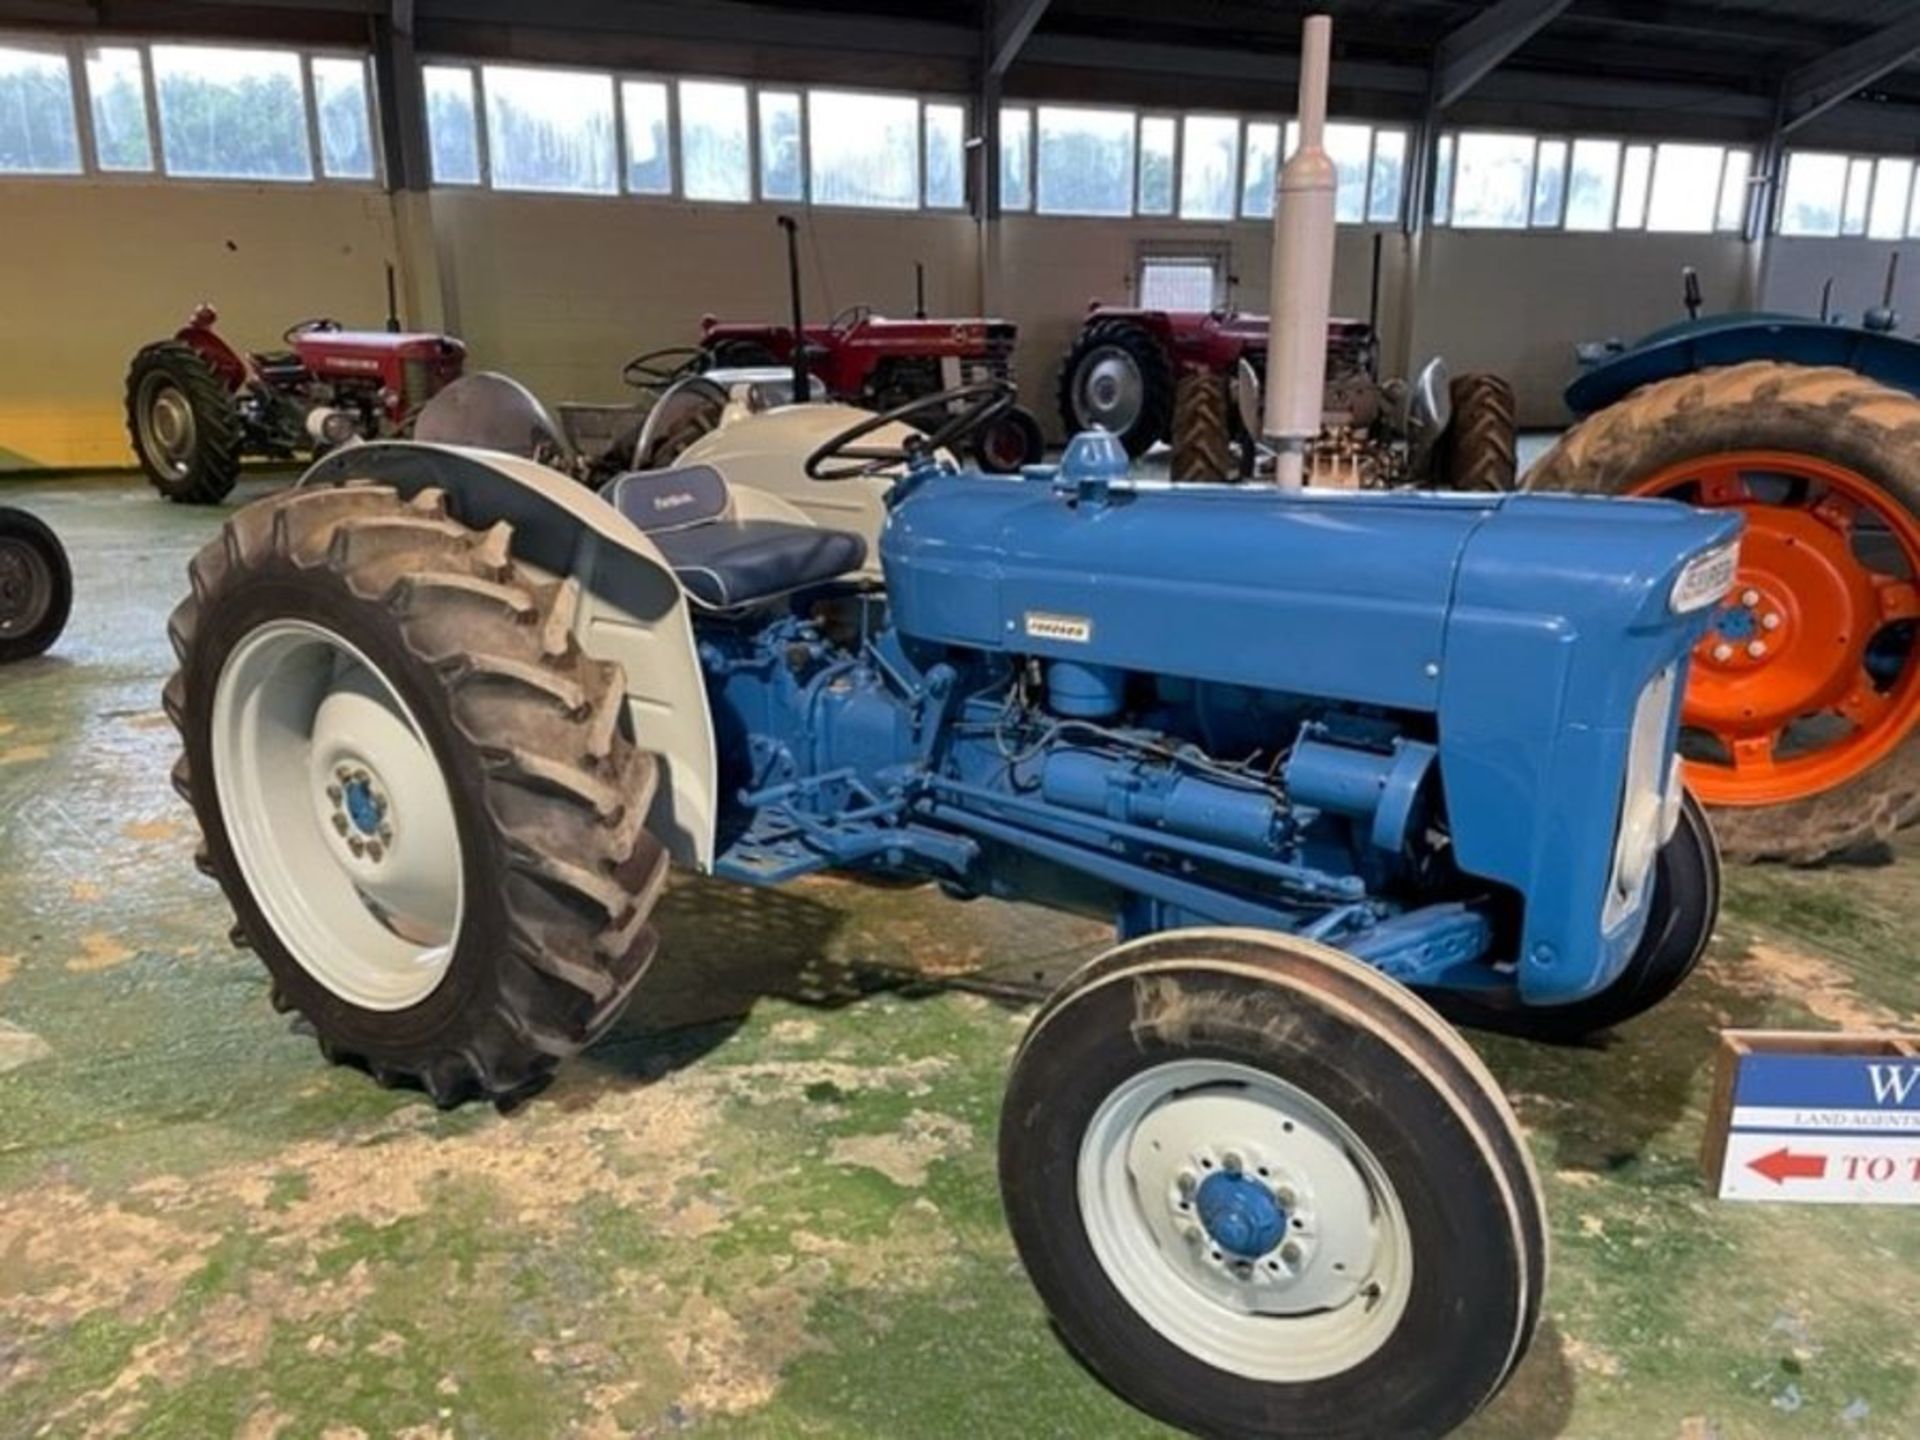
(448, 718)
(1177, 376)
(196, 407)
(867, 359)
(1802, 718)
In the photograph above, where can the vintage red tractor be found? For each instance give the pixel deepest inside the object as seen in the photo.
(868, 359)
(1124, 372)
(196, 407)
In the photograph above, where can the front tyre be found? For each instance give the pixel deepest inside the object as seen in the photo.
(184, 423)
(36, 586)
(415, 789)
(1118, 377)
(1240, 1168)
(1010, 444)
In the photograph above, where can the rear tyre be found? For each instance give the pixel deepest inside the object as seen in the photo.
(36, 586)
(184, 423)
(1238, 1166)
(1202, 439)
(416, 790)
(1807, 746)
(1119, 377)
(1009, 444)
(1480, 449)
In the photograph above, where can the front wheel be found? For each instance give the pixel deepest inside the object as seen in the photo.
(1118, 377)
(1239, 1169)
(1801, 723)
(185, 425)
(417, 792)
(1010, 444)
(36, 586)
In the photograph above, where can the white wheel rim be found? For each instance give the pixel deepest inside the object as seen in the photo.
(1317, 1301)
(338, 814)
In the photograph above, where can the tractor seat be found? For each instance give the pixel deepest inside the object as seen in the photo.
(725, 562)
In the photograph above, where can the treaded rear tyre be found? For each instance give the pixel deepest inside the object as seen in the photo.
(1155, 418)
(1832, 413)
(1202, 444)
(1480, 448)
(206, 470)
(549, 792)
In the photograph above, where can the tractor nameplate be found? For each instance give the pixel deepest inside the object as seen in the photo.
(1076, 629)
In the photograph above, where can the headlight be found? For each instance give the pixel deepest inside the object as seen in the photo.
(1649, 799)
(1705, 578)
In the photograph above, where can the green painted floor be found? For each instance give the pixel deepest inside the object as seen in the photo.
(766, 1205)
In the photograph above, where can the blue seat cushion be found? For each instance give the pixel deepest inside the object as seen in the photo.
(721, 561)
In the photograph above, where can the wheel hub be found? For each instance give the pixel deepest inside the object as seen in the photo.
(26, 588)
(1112, 391)
(361, 813)
(1241, 1216)
(168, 431)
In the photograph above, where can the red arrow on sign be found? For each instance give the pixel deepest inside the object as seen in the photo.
(1783, 1165)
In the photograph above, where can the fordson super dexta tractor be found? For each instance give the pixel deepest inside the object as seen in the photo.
(1802, 717)
(448, 716)
(197, 408)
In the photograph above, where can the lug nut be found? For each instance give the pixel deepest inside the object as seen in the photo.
(1285, 1195)
(1757, 648)
(356, 845)
(1290, 1253)
(340, 823)
(334, 793)
(374, 852)
(1230, 1162)
(1723, 652)
(1770, 622)
(1750, 598)
(1186, 1182)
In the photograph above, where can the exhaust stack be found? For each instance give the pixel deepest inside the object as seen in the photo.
(1302, 283)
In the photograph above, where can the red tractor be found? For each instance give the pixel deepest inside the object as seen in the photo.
(196, 407)
(1125, 370)
(864, 358)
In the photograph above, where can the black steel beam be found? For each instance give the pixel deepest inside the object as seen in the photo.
(1469, 54)
(1814, 89)
(1013, 22)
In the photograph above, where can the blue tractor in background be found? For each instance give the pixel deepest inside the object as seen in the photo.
(1802, 714)
(447, 716)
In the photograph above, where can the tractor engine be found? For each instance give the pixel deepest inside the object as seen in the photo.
(364, 383)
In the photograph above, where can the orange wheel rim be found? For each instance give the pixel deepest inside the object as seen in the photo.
(1810, 674)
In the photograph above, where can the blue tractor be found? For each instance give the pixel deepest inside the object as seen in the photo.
(1801, 727)
(447, 717)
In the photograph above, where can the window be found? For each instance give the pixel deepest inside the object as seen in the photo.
(1634, 172)
(1732, 211)
(783, 174)
(1350, 147)
(1159, 139)
(342, 119)
(946, 158)
(1853, 215)
(1209, 166)
(232, 114)
(1085, 161)
(453, 134)
(1887, 217)
(864, 149)
(1388, 183)
(1016, 158)
(550, 130)
(38, 132)
(1493, 181)
(649, 133)
(1179, 282)
(714, 159)
(1593, 184)
(1443, 180)
(1815, 190)
(1685, 195)
(1262, 170)
(117, 87)
(1549, 184)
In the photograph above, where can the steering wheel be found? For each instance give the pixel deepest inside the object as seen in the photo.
(319, 325)
(967, 408)
(658, 369)
(851, 316)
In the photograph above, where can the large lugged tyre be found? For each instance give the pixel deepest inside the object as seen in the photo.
(184, 424)
(1202, 442)
(1118, 376)
(1353, 1139)
(1480, 449)
(417, 791)
(36, 586)
(1803, 700)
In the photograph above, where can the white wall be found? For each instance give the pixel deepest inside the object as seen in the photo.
(1798, 269)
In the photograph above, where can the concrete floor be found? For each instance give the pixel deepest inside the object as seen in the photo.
(766, 1205)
